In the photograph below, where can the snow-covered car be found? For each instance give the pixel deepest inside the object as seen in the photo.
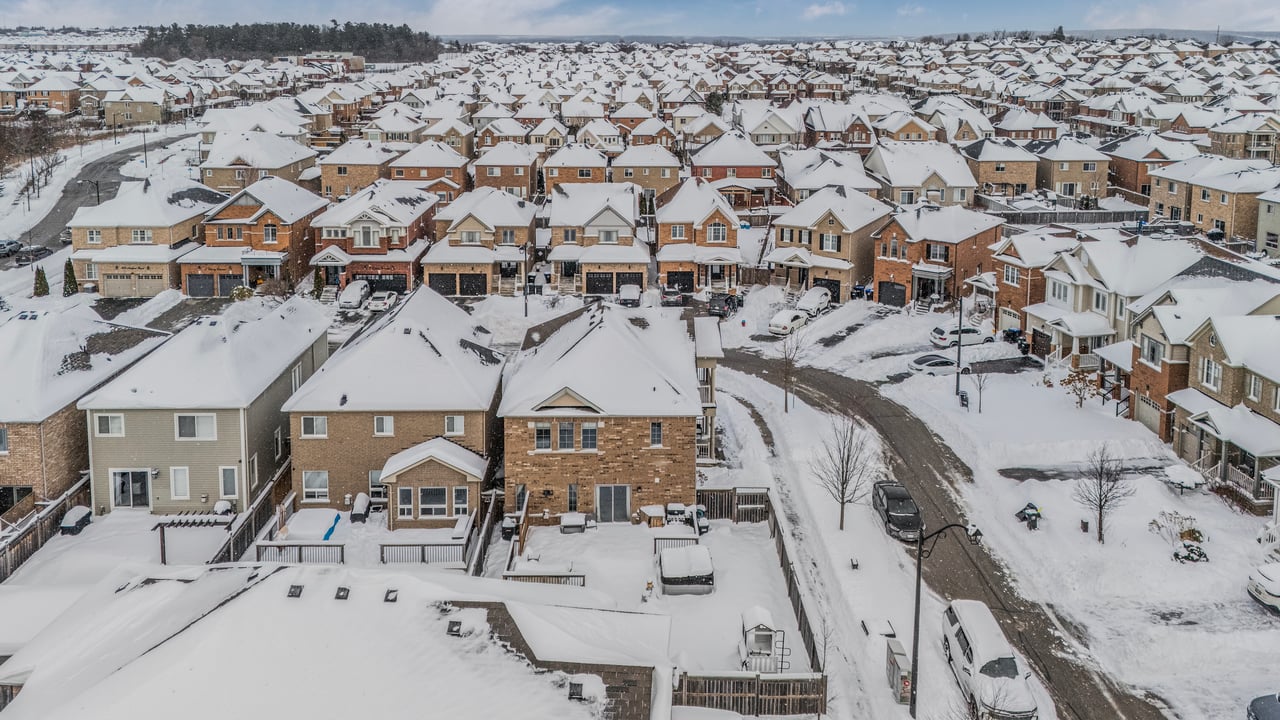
(935, 364)
(64, 237)
(629, 296)
(995, 682)
(354, 295)
(9, 247)
(28, 254)
(950, 336)
(672, 297)
(1266, 707)
(1264, 586)
(898, 512)
(814, 301)
(381, 301)
(786, 322)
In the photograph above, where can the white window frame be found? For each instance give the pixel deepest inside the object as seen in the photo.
(465, 507)
(177, 427)
(595, 436)
(90, 271)
(140, 237)
(1090, 167)
(378, 490)
(295, 377)
(315, 494)
(1210, 373)
(388, 423)
(429, 511)
(459, 423)
(222, 475)
(173, 483)
(1014, 272)
(1253, 387)
(655, 432)
(1100, 301)
(828, 242)
(94, 237)
(403, 509)
(538, 428)
(270, 234)
(492, 171)
(584, 173)
(4, 441)
(469, 237)
(97, 425)
(677, 232)
(1058, 291)
(323, 426)
(608, 237)
(718, 233)
(278, 440)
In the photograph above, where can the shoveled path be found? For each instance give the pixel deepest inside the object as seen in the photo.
(956, 569)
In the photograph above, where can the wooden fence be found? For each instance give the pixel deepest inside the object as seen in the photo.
(575, 579)
(793, 591)
(310, 553)
(259, 514)
(491, 515)
(34, 530)
(423, 553)
(662, 543)
(754, 693)
(736, 504)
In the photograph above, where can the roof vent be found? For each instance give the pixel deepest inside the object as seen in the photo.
(343, 593)
(295, 591)
(455, 628)
(342, 400)
(391, 596)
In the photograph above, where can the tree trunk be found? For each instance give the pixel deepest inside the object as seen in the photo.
(842, 506)
(1100, 538)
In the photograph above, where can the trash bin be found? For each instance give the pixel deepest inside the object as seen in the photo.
(508, 527)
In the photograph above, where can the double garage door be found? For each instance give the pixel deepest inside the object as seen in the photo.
(606, 283)
(133, 284)
(681, 280)
(212, 285)
(458, 283)
(391, 282)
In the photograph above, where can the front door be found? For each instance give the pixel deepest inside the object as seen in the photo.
(332, 275)
(132, 488)
(612, 503)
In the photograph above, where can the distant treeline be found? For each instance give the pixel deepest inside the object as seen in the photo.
(377, 42)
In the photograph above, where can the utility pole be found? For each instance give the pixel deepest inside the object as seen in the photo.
(959, 340)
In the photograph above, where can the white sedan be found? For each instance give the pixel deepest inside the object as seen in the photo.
(381, 301)
(1264, 586)
(786, 322)
(935, 364)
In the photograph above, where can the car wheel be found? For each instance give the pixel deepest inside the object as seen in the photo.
(946, 648)
(973, 708)
(965, 371)
(953, 343)
(988, 339)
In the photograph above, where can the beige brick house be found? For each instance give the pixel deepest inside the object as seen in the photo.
(593, 247)
(600, 415)
(698, 240)
(827, 240)
(1229, 202)
(652, 167)
(1001, 166)
(435, 167)
(574, 164)
(484, 245)
(355, 165)
(510, 167)
(1070, 168)
(368, 413)
(1171, 184)
(236, 160)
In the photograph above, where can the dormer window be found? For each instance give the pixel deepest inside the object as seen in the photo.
(366, 237)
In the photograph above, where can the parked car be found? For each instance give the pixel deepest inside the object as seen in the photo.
(814, 301)
(384, 300)
(64, 237)
(354, 295)
(898, 512)
(1266, 707)
(952, 335)
(9, 247)
(786, 322)
(672, 297)
(722, 305)
(1264, 586)
(629, 296)
(935, 364)
(995, 682)
(31, 253)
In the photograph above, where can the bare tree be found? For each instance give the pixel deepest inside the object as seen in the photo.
(1081, 385)
(845, 464)
(794, 348)
(1102, 488)
(979, 379)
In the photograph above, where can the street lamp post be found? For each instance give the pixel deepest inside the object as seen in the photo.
(959, 341)
(975, 537)
(114, 139)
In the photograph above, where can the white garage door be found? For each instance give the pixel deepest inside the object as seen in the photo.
(117, 284)
(1147, 412)
(151, 284)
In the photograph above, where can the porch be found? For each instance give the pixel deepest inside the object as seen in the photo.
(1233, 447)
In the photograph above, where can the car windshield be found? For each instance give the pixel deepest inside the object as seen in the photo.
(1005, 667)
(901, 506)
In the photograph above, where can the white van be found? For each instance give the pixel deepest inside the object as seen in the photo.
(995, 681)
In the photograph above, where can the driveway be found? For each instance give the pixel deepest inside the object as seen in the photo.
(956, 569)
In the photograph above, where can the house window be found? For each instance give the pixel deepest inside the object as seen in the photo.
(4, 441)
(1210, 373)
(460, 505)
(542, 436)
(384, 425)
(940, 253)
(315, 485)
(609, 237)
(454, 425)
(470, 237)
(228, 482)
(95, 237)
(830, 243)
(1204, 194)
(1275, 399)
(570, 235)
(433, 502)
(666, 173)
(677, 232)
(553, 172)
(239, 174)
(295, 377)
(492, 171)
(573, 497)
(262, 174)
(448, 172)
(269, 234)
(1058, 290)
(342, 170)
(766, 172)
(655, 434)
(109, 425)
(584, 173)
(315, 426)
(906, 197)
(962, 194)
(1253, 387)
(718, 233)
(1152, 351)
(1222, 199)
(367, 237)
(179, 483)
(588, 436)
(1100, 301)
(519, 171)
(140, 237)
(628, 172)
(508, 237)
(279, 443)
(1220, 225)
(565, 441)
(1063, 166)
(706, 172)
(377, 489)
(90, 271)
(1090, 167)
(399, 172)
(1010, 275)
(404, 502)
(196, 427)
(1173, 186)
(999, 167)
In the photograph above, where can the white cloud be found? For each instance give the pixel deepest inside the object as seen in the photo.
(1187, 15)
(517, 17)
(910, 10)
(819, 10)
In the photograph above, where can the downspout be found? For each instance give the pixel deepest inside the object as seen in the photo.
(44, 466)
(244, 460)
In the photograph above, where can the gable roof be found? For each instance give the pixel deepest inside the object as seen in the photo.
(289, 202)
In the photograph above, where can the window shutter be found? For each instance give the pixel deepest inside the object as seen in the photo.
(946, 254)
(838, 243)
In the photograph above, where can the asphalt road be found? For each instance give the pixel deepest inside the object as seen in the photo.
(957, 569)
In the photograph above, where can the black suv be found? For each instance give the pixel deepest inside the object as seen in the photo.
(722, 305)
(899, 512)
(31, 253)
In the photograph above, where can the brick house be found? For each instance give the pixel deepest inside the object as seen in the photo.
(652, 132)
(1251, 136)
(51, 359)
(510, 167)
(1135, 156)
(501, 130)
(652, 167)
(902, 126)
(574, 163)
(1229, 202)
(452, 132)
(160, 441)
(1019, 262)
(739, 169)
(239, 159)
(1022, 124)
(1070, 168)
(377, 235)
(600, 415)
(548, 136)
(55, 92)
(261, 233)
(808, 170)
(1267, 237)
(356, 164)
(435, 167)
(1171, 184)
(593, 247)
(129, 246)
(604, 136)
(928, 251)
(420, 449)
(136, 106)
(909, 172)
(484, 244)
(1000, 166)
(697, 240)
(827, 241)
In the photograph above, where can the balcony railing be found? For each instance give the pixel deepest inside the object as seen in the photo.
(707, 395)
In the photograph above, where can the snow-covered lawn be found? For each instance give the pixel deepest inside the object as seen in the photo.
(361, 541)
(505, 316)
(618, 560)
(1188, 633)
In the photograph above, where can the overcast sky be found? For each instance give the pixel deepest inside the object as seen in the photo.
(757, 18)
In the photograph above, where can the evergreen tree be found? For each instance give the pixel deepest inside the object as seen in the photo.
(70, 286)
(714, 103)
(1059, 34)
(317, 284)
(42, 283)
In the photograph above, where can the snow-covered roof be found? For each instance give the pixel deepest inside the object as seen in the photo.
(947, 224)
(147, 203)
(693, 202)
(365, 152)
(576, 635)
(578, 204)
(287, 201)
(431, 153)
(254, 150)
(428, 337)
(577, 155)
(508, 153)
(1066, 149)
(911, 164)
(732, 149)
(388, 202)
(224, 361)
(646, 156)
(852, 209)
(491, 206)
(440, 449)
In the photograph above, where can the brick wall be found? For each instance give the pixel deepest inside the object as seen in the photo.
(569, 176)
(507, 177)
(1049, 175)
(333, 184)
(1015, 173)
(649, 178)
(225, 180)
(1239, 215)
(47, 456)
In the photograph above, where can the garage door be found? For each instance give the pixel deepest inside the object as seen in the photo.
(681, 280)
(151, 284)
(200, 285)
(894, 294)
(393, 282)
(599, 283)
(117, 285)
(443, 283)
(472, 284)
(1039, 343)
(1147, 412)
(227, 283)
(631, 278)
(832, 285)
